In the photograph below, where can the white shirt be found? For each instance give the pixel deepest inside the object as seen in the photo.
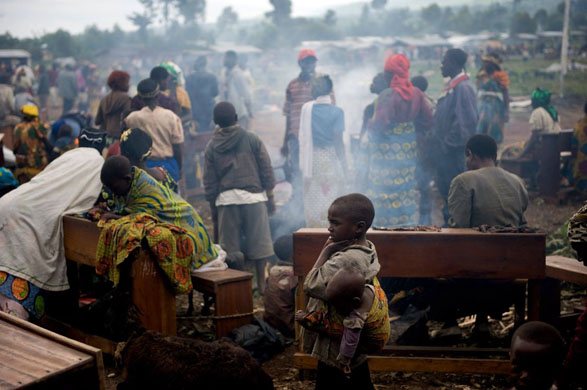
(237, 196)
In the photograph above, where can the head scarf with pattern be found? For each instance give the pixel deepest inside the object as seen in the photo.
(541, 98)
(399, 66)
(577, 230)
(135, 144)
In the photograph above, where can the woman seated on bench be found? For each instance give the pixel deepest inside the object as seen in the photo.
(543, 120)
(135, 191)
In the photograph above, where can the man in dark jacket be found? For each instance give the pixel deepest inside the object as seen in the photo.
(455, 121)
(202, 87)
(239, 181)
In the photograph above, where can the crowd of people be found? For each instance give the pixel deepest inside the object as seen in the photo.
(124, 169)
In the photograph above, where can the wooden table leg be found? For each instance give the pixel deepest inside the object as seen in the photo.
(153, 298)
(534, 299)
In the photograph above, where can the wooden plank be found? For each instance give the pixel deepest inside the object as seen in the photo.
(209, 279)
(80, 239)
(565, 268)
(417, 364)
(438, 351)
(105, 345)
(452, 253)
(49, 344)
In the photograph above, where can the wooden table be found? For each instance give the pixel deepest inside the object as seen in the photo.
(33, 357)
(452, 253)
(155, 301)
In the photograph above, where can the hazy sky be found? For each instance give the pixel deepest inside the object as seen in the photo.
(34, 17)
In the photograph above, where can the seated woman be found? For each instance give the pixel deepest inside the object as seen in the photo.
(136, 192)
(543, 120)
(135, 145)
(32, 258)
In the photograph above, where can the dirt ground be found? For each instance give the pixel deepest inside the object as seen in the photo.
(269, 125)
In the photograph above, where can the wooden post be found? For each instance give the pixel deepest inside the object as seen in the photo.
(565, 47)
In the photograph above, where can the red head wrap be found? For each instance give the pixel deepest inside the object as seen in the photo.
(118, 80)
(399, 65)
(305, 53)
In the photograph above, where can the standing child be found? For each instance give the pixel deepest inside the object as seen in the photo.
(364, 308)
(349, 218)
(239, 181)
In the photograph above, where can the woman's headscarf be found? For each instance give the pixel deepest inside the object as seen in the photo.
(399, 65)
(577, 230)
(135, 144)
(175, 71)
(541, 98)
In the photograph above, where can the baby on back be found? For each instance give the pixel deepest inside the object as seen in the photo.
(364, 308)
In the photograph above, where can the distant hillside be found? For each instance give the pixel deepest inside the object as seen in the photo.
(530, 6)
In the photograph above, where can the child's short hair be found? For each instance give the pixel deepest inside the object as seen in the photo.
(115, 167)
(357, 208)
(483, 146)
(224, 114)
(420, 82)
(543, 334)
(283, 247)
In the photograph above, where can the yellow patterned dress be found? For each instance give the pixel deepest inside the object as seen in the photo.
(148, 196)
(391, 182)
(28, 142)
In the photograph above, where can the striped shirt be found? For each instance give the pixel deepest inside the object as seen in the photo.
(297, 93)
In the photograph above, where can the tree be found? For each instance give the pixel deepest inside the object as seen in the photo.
(523, 23)
(190, 10)
(378, 4)
(330, 18)
(145, 19)
(228, 17)
(61, 43)
(281, 13)
(431, 14)
(142, 21)
(540, 17)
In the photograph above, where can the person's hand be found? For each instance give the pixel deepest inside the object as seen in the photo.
(109, 216)
(271, 205)
(96, 212)
(346, 369)
(299, 316)
(331, 247)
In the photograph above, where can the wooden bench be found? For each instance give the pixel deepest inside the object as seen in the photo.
(546, 164)
(155, 301)
(558, 269)
(452, 253)
(36, 358)
(233, 302)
